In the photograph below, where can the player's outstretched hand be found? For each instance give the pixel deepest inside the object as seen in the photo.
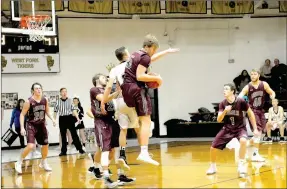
(173, 50)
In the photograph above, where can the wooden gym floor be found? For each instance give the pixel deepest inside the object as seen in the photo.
(183, 165)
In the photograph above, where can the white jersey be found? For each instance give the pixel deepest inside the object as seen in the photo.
(276, 116)
(117, 73)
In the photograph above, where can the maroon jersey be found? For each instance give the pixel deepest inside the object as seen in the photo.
(256, 96)
(37, 111)
(235, 118)
(137, 58)
(96, 105)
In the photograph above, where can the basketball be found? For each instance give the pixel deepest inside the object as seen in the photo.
(152, 85)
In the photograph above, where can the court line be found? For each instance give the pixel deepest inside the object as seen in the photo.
(237, 178)
(157, 146)
(132, 151)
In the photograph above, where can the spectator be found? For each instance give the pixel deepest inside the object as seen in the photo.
(278, 75)
(78, 110)
(275, 120)
(265, 71)
(15, 119)
(242, 80)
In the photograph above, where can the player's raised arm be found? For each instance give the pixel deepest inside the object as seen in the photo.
(162, 53)
(269, 90)
(100, 97)
(244, 91)
(109, 86)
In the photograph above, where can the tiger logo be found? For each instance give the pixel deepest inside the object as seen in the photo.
(110, 66)
(3, 63)
(50, 62)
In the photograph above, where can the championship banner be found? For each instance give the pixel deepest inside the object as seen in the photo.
(41, 5)
(5, 5)
(91, 6)
(30, 63)
(188, 7)
(139, 7)
(283, 6)
(232, 7)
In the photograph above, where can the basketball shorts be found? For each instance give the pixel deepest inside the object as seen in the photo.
(276, 125)
(225, 136)
(137, 97)
(107, 134)
(127, 117)
(260, 120)
(37, 132)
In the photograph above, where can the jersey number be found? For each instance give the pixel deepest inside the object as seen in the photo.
(257, 101)
(232, 121)
(39, 115)
(110, 107)
(97, 105)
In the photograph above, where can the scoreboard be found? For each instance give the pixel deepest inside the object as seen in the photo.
(20, 44)
(20, 55)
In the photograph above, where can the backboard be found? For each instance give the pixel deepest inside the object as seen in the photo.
(16, 12)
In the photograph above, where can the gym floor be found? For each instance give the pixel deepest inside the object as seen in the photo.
(182, 165)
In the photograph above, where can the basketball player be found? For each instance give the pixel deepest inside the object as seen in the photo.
(256, 91)
(96, 167)
(104, 127)
(275, 120)
(127, 117)
(232, 112)
(135, 93)
(37, 106)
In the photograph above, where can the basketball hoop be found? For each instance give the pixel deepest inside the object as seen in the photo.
(36, 25)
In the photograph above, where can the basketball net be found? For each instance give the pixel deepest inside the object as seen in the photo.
(36, 25)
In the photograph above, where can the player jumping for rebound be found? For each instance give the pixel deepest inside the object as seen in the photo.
(127, 116)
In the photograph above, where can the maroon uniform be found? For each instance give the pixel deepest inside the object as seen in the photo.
(107, 135)
(36, 123)
(256, 98)
(135, 93)
(234, 123)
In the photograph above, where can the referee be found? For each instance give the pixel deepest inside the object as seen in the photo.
(64, 107)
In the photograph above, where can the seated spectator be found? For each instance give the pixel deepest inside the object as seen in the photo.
(242, 80)
(275, 120)
(278, 75)
(265, 71)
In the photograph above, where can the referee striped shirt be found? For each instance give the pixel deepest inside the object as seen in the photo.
(64, 107)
